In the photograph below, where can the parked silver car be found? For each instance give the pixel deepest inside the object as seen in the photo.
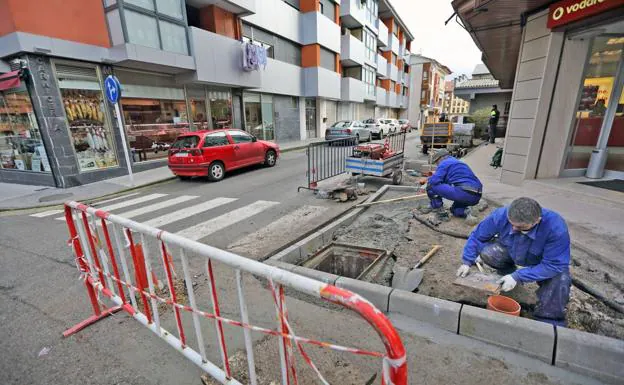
(348, 128)
(393, 125)
(378, 127)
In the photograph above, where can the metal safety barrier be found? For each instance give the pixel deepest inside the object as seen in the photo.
(328, 159)
(102, 242)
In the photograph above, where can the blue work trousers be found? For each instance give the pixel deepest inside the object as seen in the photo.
(461, 198)
(552, 295)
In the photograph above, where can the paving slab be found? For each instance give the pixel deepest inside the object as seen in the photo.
(536, 339)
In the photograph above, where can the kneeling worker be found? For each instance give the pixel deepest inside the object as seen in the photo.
(525, 234)
(452, 180)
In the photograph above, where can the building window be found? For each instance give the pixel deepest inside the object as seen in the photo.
(368, 76)
(372, 8)
(157, 24)
(370, 41)
(293, 3)
(328, 8)
(328, 59)
(277, 47)
(21, 147)
(425, 75)
(507, 108)
(85, 111)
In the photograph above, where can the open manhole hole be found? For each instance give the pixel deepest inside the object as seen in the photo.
(346, 260)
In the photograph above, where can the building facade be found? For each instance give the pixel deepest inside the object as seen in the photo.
(454, 106)
(180, 65)
(428, 78)
(482, 91)
(567, 107)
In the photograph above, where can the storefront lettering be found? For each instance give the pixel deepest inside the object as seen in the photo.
(45, 85)
(567, 11)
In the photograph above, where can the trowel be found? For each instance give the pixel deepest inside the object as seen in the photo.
(409, 280)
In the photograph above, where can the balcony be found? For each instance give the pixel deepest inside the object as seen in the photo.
(352, 90)
(406, 79)
(218, 59)
(393, 72)
(382, 97)
(272, 10)
(392, 100)
(321, 82)
(403, 101)
(382, 36)
(281, 78)
(352, 13)
(237, 7)
(352, 50)
(318, 29)
(393, 43)
(382, 67)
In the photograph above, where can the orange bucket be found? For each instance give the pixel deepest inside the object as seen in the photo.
(503, 304)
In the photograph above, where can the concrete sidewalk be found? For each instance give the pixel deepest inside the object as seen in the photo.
(595, 216)
(16, 196)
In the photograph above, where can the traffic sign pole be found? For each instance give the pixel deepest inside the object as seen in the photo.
(113, 91)
(123, 141)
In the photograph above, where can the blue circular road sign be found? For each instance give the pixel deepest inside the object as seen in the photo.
(112, 88)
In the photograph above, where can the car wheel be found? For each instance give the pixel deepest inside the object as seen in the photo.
(216, 171)
(270, 158)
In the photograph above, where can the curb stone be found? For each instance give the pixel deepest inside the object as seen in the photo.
(376, 294)
(438, 312)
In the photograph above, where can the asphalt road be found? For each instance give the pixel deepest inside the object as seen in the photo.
(251, 212)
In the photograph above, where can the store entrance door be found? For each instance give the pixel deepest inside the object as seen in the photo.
(310, 116)
(599, 121)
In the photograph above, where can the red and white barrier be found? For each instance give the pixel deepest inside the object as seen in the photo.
(96, 252)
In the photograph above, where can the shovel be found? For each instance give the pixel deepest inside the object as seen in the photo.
(409, 280)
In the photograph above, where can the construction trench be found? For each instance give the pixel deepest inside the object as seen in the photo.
(371, 242)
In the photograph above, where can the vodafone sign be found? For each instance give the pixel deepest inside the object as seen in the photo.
(567, 11)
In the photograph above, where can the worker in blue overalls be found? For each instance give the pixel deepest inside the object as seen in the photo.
(525, 234)
(452, 180)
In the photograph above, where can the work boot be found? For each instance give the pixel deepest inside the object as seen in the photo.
(470, 219)
(443, 215)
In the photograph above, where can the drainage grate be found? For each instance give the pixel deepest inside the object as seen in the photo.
(345, 260)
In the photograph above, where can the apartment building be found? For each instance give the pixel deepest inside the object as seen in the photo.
(428, 82)
(180, 64)
(454, 106)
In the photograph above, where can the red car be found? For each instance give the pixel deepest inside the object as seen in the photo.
(213, 153)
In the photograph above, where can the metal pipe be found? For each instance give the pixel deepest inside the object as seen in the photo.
(192, 301)
(124, 266)
(251, 361)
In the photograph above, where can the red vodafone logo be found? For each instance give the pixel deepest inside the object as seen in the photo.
(567, 11)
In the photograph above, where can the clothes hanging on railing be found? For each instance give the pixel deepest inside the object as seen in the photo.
(254, 56)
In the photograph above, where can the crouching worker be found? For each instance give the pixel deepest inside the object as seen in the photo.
(452, 180)
(524, 234)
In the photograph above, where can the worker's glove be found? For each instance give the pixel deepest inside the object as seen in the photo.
(422, 181)
(463, 271)
(507, 283)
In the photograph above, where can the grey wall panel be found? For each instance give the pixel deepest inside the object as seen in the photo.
(282, 78)
(287, 118)
(278, 17)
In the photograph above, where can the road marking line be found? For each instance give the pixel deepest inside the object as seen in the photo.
(114, 199)
(121, 205)
(188, 212)
(213, 225)
(157, 206)
(47, 213)
(257, 244)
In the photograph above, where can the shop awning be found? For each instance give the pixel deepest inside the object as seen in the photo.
(495, 26)
(10, 80)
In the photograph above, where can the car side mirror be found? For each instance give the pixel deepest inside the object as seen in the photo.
(254, 139)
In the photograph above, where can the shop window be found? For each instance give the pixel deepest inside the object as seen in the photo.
(85, 111)
(198, 108)
(21, 147)
(220, 108)
(259, 115)
(216, 139)
(596, 92)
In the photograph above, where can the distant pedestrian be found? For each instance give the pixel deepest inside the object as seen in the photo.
(494, 116)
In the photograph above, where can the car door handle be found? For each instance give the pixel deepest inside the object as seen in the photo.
(236, 147)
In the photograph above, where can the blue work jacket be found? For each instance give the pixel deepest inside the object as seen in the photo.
(455, 172)
(544, 250)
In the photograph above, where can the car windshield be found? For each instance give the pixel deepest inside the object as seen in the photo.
(189, 141)
(403, 121)
(343, 124)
